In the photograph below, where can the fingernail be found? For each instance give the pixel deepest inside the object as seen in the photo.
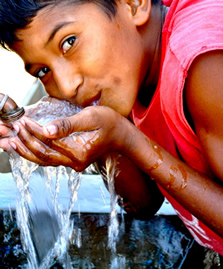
(16, 128)
(13, 145)
(51, 129)
(23, 122)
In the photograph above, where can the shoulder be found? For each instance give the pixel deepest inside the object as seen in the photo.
(204, 86)
(204, 101)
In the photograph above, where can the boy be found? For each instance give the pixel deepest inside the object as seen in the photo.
(136, 62)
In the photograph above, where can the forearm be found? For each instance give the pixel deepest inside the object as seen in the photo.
(139, 195)
(196, 192)
(112, 132)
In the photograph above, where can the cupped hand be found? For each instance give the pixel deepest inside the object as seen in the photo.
(75, 141)
(7, 130)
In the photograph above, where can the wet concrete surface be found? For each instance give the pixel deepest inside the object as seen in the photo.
(162, 242)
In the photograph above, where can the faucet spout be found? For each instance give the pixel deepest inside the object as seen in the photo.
(9, 110)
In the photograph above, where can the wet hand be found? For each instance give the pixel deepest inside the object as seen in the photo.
(6, 131)
(34, 149)
(76, 141)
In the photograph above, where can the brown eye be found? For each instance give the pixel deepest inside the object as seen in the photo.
(42, 72)
(67, 44)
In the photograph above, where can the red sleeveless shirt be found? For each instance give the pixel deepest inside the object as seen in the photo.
(191, 27)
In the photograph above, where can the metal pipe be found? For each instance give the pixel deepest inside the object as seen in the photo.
(9, 111)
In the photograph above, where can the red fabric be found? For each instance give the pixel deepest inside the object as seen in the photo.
(192, 27)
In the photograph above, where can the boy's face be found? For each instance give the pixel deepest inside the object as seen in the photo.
(83, 56)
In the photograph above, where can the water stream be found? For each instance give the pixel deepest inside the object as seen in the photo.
(45, 226)
(114, 229)
(52, 237)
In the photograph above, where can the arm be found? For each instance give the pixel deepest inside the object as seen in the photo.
(204, 99)
(200, 195)
(138, 195)
(111, 132)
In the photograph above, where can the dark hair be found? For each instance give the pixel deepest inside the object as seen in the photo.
(17, 14)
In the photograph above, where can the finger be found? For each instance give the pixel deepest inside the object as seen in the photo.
(20, 148)
(38, 153)
(38, 148)
(6, 130)
(4, 144)
(34, 129)
(29, 124)
(65, 149)
(86, 120)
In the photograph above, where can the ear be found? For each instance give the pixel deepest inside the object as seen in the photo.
(140, 10)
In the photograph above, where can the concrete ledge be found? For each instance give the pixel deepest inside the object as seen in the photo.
(93, 197)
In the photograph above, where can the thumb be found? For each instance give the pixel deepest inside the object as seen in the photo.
(81, 122)
(58, 128)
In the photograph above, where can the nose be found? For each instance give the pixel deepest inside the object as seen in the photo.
(68, 81)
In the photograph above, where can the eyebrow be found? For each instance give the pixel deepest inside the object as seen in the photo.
(55, 30)
(51, 36)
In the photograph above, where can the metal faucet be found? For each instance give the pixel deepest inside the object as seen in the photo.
(9, 111)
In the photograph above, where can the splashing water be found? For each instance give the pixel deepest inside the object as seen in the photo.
(117, 261)
(114, 224)
(44, 225)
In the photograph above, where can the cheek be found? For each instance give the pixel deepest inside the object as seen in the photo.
(51, 89)
(119, 99)
(117, 81)
(97, 58)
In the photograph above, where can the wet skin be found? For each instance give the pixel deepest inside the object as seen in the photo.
(78, 61)
(113, 82)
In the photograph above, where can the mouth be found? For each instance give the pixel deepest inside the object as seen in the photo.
(95, 101)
